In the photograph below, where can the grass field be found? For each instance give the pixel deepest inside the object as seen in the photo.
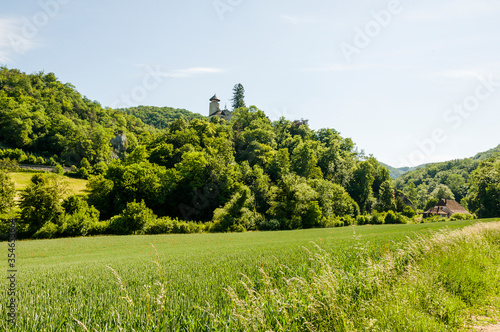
(64, 280)
(22, 180)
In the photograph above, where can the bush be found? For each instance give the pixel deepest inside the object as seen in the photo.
(163, 225)
(269, 225)
(461, 216)
(58, 170)
(48, 231)
(132, 219)
(394, 218)
(408, 212)
(378, 218)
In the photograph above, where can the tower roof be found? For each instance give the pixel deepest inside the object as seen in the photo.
(214, 98)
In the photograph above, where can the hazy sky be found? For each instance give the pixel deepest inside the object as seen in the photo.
(409, 81)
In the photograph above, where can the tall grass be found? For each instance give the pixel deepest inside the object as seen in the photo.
(426, 286)
(64, 284)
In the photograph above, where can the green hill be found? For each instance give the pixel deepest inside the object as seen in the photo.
(43, 121)
(161, 117)
(455, 174)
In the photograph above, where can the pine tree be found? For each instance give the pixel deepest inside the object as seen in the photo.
(238, 96)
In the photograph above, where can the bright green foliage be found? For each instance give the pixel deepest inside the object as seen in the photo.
(238, 214)
(7, 192)
(292, 201)
(42, 115)
(80, 219)
(394, 218)
(484, 195)
(334, 199)
(442, 192)
(408, 212)
(188, 167)
(160, 117)
(132, 219)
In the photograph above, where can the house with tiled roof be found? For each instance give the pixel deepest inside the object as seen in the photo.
(214, 110)
(445, 208)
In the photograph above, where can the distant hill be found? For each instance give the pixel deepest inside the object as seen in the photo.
(397, 172)
(161, 117)
(454, 173)
(492, 153)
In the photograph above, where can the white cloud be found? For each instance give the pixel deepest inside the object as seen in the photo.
(13, 39)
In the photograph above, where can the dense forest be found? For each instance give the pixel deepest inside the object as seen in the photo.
(456, 179)
(157, 170)
(160, 117)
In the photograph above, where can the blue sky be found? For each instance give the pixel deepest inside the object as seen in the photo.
(409, 81)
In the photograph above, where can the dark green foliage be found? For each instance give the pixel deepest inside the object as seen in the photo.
(269, 225)
(132, 219)
(80, 219)
(40, 202)
(7, 192)
(431, 203)
(238, 96)
(394, 218)
(386, 200)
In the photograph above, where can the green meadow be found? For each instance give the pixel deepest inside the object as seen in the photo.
(23, 179)
(120, 282)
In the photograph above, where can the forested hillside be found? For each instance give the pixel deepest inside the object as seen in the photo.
(45, 118)
(249, 173)
(456, 179)
(160, 117)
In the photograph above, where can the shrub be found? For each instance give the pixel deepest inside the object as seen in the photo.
(80, 219)
(408, 212)
(48, 231)
(347, 220)
(132, 219)
(83, 173)
(378, 218)
(394, 218)
(461, 216)
(58, 170)
(164, 225)
(361, 220)
(269, 225)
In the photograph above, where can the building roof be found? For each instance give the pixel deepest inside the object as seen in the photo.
(214, 98)
(447, 206)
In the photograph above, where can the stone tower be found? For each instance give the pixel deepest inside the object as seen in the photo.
(214, 105)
